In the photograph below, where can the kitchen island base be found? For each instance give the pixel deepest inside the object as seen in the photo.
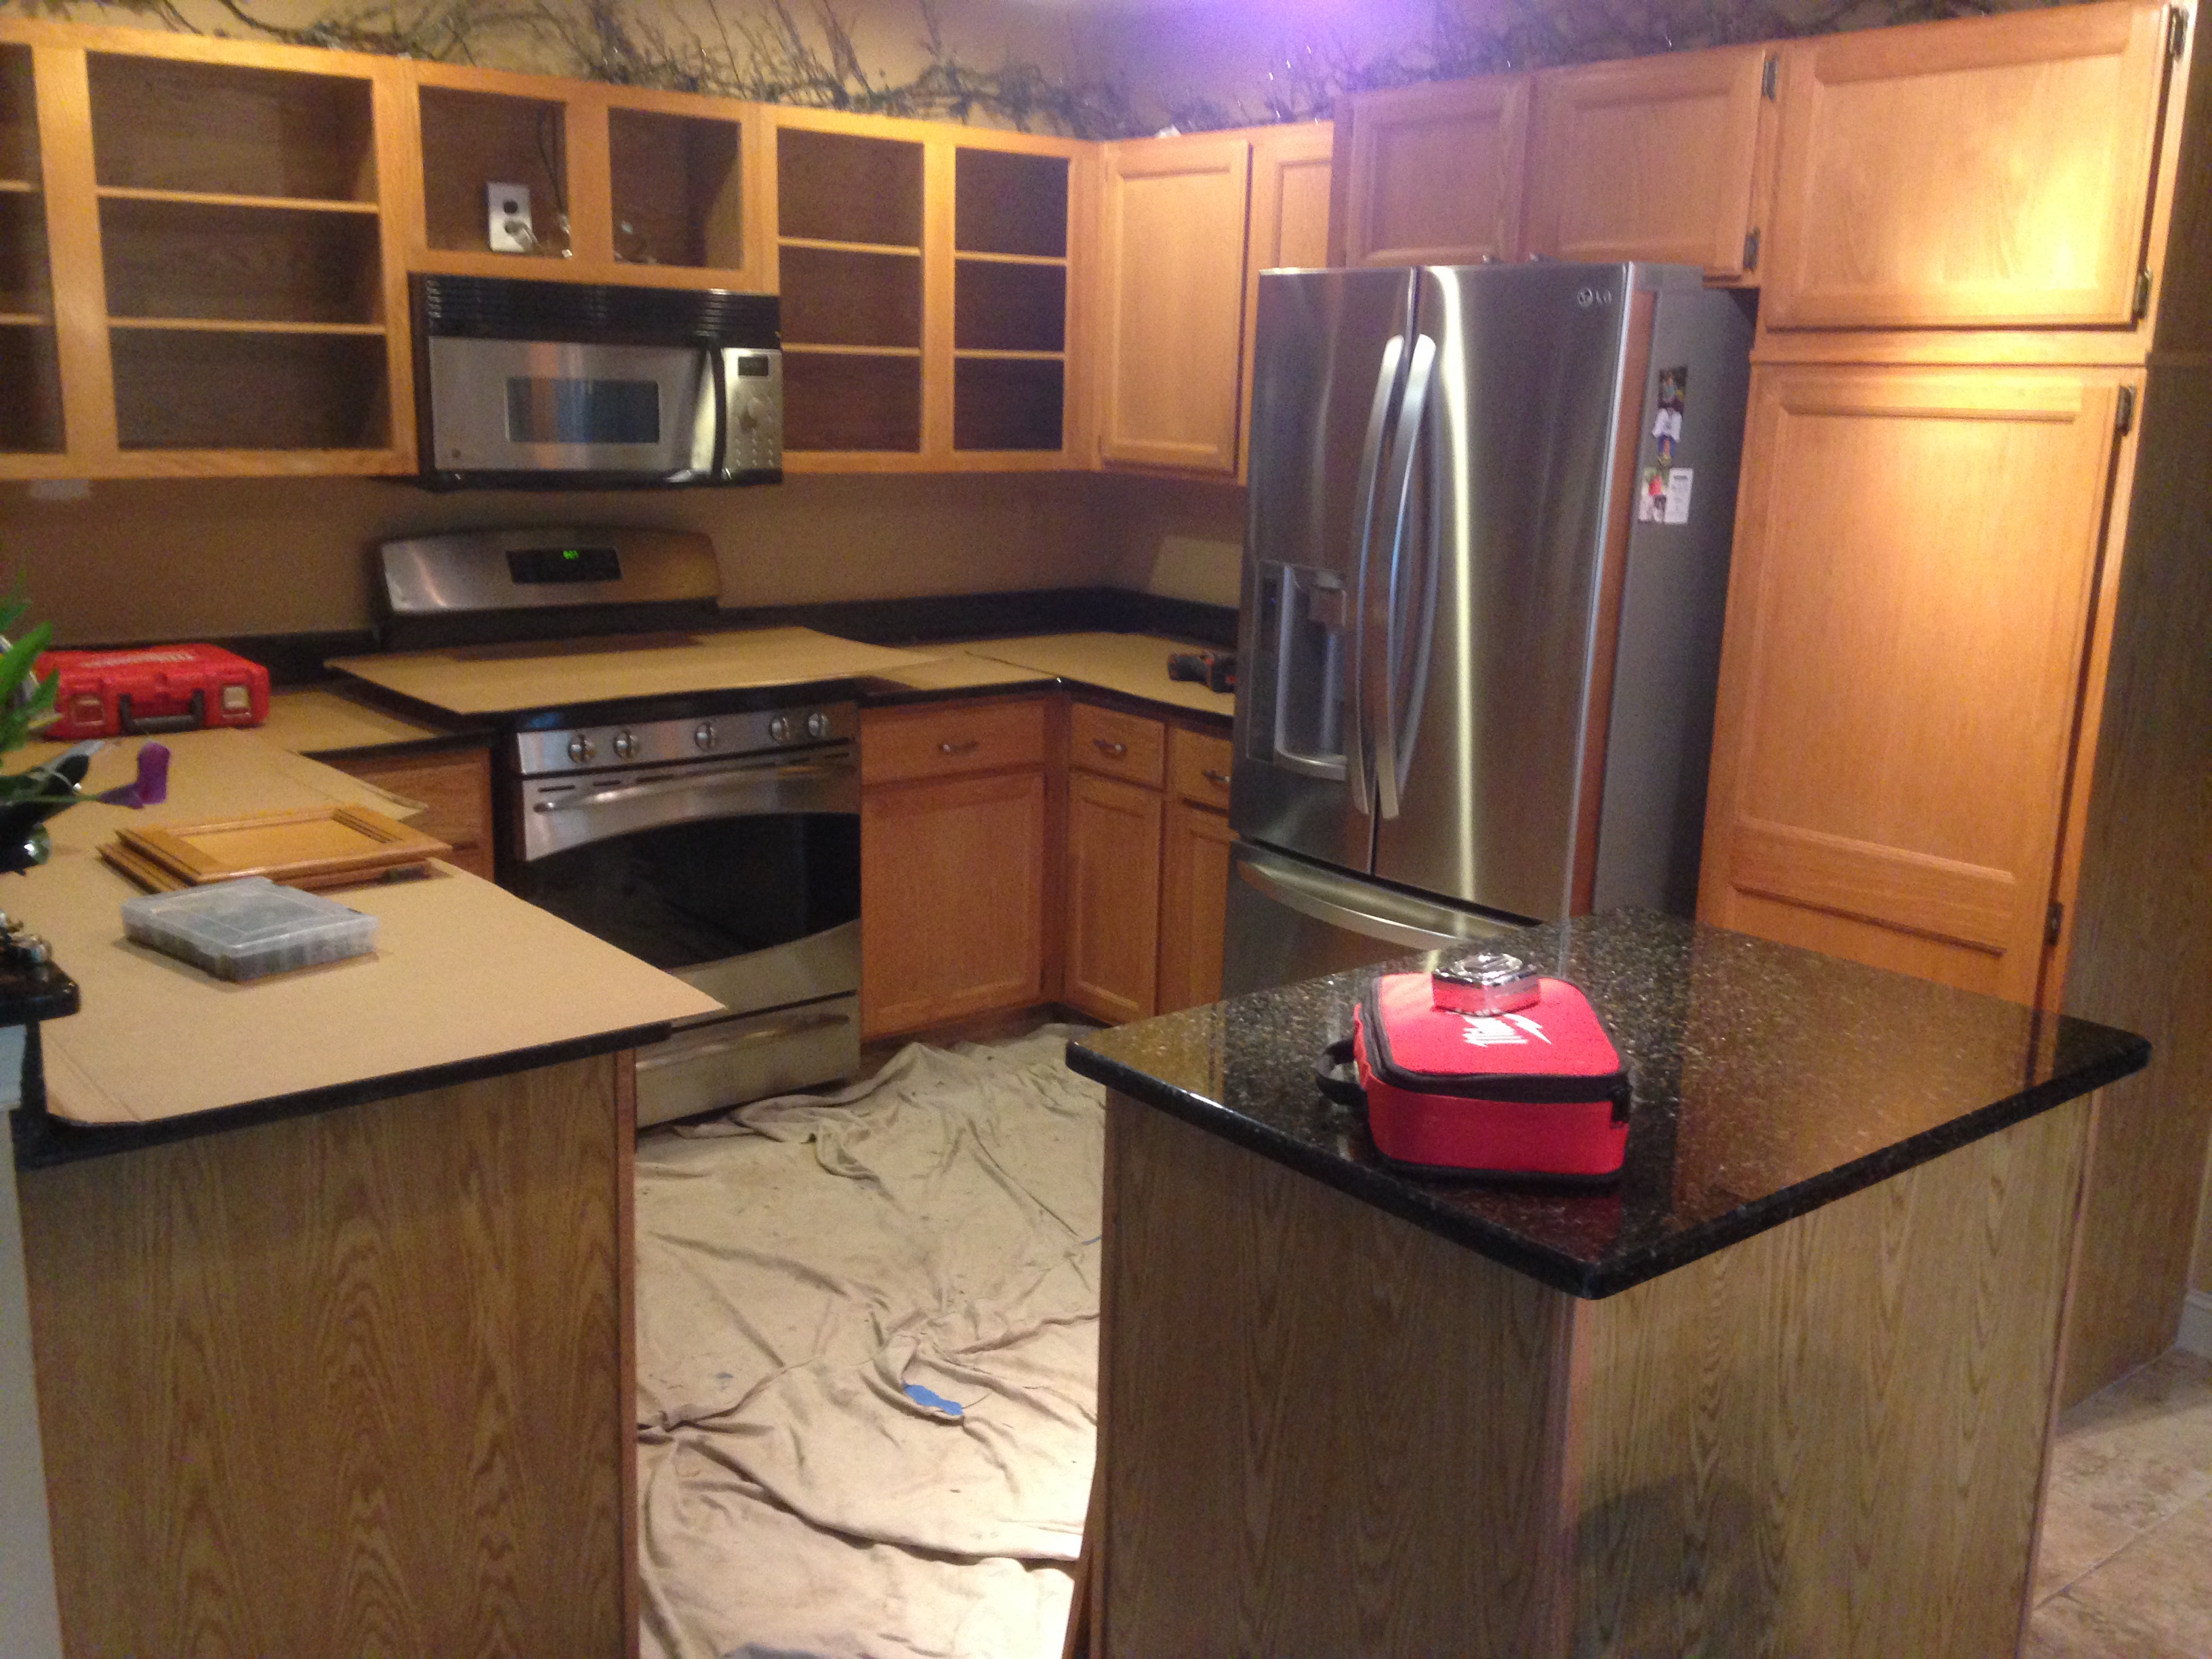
(1326, 1430)
(348, 1383)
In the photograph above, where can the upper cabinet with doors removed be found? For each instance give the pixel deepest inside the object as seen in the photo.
(1992, 173)
(604, 183)
(201, 270)
(930, 320)
(1654, 158)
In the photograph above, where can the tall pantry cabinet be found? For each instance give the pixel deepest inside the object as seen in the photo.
(1962, 726)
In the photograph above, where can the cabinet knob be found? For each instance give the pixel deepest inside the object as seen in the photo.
(1108, 746)
(958, 748)
(1221, 779)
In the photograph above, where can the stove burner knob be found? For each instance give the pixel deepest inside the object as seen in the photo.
(625, 745)
(581, 749)
(779, 729)
(702, 735)
(817, 725)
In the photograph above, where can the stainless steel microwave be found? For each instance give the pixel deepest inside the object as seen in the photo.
(576, 386)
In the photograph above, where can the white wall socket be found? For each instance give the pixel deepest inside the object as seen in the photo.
(507, 218)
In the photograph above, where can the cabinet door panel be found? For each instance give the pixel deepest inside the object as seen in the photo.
(1916, 555)
(1291, 174)
(1650, 159)
(1986, 173)
(1193, 905)
(1435, 172)
(1113, 897)
(455, 791)
(1173, 315)
(951, 900)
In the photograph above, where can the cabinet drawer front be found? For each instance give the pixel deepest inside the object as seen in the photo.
(454, 788)
(1198, 767)
(947, 739)
(1117, 746)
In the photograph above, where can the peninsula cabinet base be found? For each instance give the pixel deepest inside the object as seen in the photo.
(344, 1384)
(1327, 1431)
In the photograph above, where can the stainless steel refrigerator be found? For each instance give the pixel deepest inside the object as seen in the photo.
(1484, 563)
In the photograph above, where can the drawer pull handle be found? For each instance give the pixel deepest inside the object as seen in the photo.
(968, 747)
(1219, 778)
(1108, 746)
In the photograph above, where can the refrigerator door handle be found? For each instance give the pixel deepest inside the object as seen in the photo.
(1379, 668)
(1314, 895)
(1358, 764)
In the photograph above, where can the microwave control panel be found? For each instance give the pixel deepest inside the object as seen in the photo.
(755, 435)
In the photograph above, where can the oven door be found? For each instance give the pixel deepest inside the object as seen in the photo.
(742, 877)
(524, 406)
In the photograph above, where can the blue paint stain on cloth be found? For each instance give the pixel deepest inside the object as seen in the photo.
(934, 1401)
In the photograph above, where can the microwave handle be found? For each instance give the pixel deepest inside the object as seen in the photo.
(717, 366)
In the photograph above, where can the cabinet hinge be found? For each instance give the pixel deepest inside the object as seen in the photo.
(2176, 33)
(1750, 250)
(2125, 421)
(2142, 293)
(1770, 71)
(2054, 918)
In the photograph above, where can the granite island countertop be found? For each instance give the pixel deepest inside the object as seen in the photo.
(1769, 1081)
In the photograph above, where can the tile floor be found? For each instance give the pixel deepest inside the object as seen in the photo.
(2126, 1568)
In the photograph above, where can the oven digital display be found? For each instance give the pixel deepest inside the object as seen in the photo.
(533, 566)
(549, 412)
(752, 366)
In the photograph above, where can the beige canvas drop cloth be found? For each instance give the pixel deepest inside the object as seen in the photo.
(803, 1261)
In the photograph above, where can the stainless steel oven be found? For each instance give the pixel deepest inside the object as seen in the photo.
(712, 829)
(727, 850)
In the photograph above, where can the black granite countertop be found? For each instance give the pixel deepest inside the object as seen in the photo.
(1769, 1081)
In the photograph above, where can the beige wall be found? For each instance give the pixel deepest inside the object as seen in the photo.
(159, 560)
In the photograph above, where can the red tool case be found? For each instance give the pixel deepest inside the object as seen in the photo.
(163, 688)
(1538, 1091)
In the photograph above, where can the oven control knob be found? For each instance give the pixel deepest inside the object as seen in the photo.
(703, 736)
(817, 725)
(779, 729)
(581, 749)
(625, 745)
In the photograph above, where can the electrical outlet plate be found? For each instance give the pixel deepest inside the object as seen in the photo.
(507, 212)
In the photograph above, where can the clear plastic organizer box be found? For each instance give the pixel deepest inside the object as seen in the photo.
(246, 929)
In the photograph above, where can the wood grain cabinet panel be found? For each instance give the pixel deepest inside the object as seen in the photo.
(1653, 158)
(346, 1383)
(945, 739)
(1433, 174)
(1908, 617)
(1171, 319)
(1985, 172)
(1290, 171)
(1113, 897)
(1194, 904)
(1117, 744)
(951, 899)
(1199, 766)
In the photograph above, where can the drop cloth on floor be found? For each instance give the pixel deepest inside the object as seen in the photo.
(799, 1265)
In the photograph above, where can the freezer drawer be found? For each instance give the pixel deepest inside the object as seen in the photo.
(1290, 920)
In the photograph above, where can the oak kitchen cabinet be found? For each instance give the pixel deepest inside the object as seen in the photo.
(202, 270)
(954, 825)
(1433, 175)
(1989, 176)
(1188, 224)
(452, 786)
(1654, 158)
(1194, 844)
(1963, 675)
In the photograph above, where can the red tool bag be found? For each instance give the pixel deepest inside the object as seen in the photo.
(1529, 1086)
(163, 688)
